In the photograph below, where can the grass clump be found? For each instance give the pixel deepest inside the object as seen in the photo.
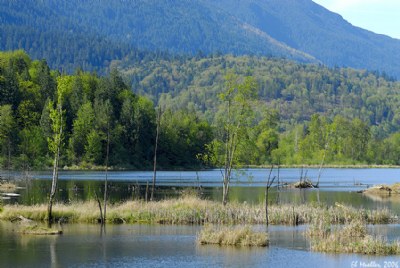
(350, 238)
(303, 184)
(39, 230)
(7, 187)
(232, 236)
(384, 189)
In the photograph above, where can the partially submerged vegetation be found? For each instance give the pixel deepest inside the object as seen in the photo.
(350, 238)
(28, 226)
(7, 187)
(303, 184)
(39, 230)
(232, 236)
(193, 210)
(384, 189)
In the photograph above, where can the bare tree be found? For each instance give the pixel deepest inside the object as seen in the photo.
(155, 153)
(323, 159)
(103, 221)
(270, 181)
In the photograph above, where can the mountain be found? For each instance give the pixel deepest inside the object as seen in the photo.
(297, 91)
(309, 27)
(90, 34)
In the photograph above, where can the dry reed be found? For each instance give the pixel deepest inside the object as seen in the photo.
(352, 237)
(232, 236)
(193, 210)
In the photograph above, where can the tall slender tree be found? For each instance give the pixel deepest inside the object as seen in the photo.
(55, 141)
(159, 113)
(235, 120)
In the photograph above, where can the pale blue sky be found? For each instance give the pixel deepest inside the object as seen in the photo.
(379, 16)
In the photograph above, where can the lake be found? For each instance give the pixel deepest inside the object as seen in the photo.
(336, 185)
(330, 177)
(167, 246)
(161, 246)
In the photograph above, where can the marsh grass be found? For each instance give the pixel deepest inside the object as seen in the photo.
(39, 230)
(384, 189)
(352, 237)
(193, 210)
(7, 187)
(232, 236)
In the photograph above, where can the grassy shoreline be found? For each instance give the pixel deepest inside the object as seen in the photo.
(352, 237)
(297, 166)
(193, 210)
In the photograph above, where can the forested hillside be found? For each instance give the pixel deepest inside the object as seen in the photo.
(296, 91)
(89, 34)
(93, 107)
(295, 114)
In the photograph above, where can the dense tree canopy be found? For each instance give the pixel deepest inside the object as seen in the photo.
(90, 106)
(300, 114)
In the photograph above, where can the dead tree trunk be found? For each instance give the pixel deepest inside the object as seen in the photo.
(270, 181)
(155, 155)
(100, 209)
(106, 178)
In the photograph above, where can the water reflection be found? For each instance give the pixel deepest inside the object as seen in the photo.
(160, 246)
(330, 177)
(36, 192)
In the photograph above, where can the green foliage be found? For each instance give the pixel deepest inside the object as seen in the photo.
(7, 131)
(82, 126)
(93, 148)
(77, 112)
(234, 120)
(271, 111)
(32, 148)
(183, 136)
(57, 114)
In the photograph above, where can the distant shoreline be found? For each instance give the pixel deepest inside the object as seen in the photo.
(101, 168)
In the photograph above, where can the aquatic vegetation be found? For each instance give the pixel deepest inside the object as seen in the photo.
(39, 230)
(7, 187)
(303, 184)
(232, 236)
(384, 189)
(193, 210)
(350, 238)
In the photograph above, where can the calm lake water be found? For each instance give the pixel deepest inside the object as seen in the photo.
(336, 185)
(330, 177)
(166, 246)
(170, 246)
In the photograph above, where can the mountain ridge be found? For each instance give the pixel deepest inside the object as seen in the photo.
(97, 32)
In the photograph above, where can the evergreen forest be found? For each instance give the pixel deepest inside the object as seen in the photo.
(289, 113)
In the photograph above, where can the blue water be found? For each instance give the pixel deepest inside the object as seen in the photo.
(330, 177)
(166, 246)
(176, 246)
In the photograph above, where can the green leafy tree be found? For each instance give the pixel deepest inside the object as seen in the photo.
(93, 147)
(32, 148)
(57, 117)
(82, 126)
(7, 130)
(235, 120)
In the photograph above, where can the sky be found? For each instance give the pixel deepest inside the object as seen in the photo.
(379, 16)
